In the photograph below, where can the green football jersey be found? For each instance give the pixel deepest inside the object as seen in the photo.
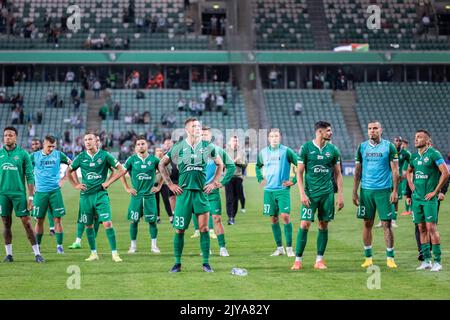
(94, 169)
(142, 173)
(15, 165)
(319, 165)
(403, 159)
(191, 162)
(426, 172)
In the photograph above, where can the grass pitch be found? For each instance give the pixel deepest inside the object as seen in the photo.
(250, 243)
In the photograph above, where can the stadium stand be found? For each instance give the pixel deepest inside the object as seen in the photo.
(282, 24)
(400, 24)
(105, 24)
(317, 105)
(402, 108)
(55, 121)
(164, 102)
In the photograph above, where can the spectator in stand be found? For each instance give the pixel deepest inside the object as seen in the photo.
(171, 120)
(76, 104)
(192, 107)
(219, 42)
(298, 108)
(181, 104)
(103, 112)
(70, 76)
(219, 103)
(97, 87)
(159, 80)
(116, 110)
(161, 24)
(135, 79)
(223, 24)
(273, 79)
(73, 92)
(425, 23)
(39, 116)
(214, 28)
(15, 115)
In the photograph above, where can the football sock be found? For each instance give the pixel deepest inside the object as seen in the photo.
(276, 230)
(91, 238)
(368, 251)
(111, 234)
(390, 252)
(322, 240)
(178, 244)
(39, 238)
(221, 240)
(302, 237)
(437, 253)
(153, 230)
(133, 231)
(59, 238)
(205, 246)
(288, 234)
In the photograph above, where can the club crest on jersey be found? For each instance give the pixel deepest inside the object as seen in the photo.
(149, 163)
(327, 154)
(16, 158)
(99, 161)
(426, 159)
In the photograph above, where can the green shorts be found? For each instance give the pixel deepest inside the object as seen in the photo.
(324, 205)
(189, 202)
(44, 201)
(95, 205)
(371, 201)
(215, 204)
(276, 202)
(143, 206)
(16, 202)
(425, 211)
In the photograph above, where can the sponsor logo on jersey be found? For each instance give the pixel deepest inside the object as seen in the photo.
(137, 162)
(93, 176)
(143, 166)
(85, 160)
(312, 152)
(421, 175)
(9, 167)
(2, 156)
(319, 157)
(374, 155)
(320, 169)
(92, 164)
(194, 168)
(143, 176)
(419, 162)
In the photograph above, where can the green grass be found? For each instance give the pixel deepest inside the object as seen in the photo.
(249, 241)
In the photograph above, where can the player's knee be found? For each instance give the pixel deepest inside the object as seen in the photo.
(107, 224)
(305, 225)
(217, 219)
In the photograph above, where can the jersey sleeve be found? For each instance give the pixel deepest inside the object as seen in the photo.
(230, 167)
(111, 160)
(292, 157)
(437, 158)
(358, 155)
(213, 153)
(76, 163)
(128, 164)
(63, 158)
(393, 154)
(258, 168)
(28, 168)
(32, 159)
(337, 156)
(302, 155)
